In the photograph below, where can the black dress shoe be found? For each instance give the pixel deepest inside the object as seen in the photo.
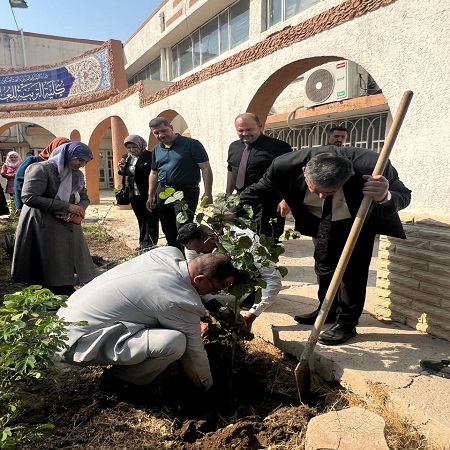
(337, 334)
(309, 319)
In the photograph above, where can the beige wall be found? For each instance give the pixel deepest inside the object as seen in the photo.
(39, 49)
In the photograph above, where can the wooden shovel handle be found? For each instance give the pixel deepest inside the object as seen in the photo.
(356, 227)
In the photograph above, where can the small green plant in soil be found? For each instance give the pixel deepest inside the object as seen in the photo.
(30, 336)
(98, 230)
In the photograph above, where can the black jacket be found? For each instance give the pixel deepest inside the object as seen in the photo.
(285, 175)
(142, 172)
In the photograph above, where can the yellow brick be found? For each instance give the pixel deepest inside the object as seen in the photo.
(415, 242)
(383, 254)
(439, 269)
(440, 247)
(410, 262)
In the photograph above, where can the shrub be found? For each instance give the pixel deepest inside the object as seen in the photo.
(30, 336)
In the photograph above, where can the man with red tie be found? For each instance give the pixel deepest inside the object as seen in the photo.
(248, 159)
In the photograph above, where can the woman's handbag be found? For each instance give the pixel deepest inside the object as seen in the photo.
(122, 196)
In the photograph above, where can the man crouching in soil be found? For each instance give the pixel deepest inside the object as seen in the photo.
(145, 314)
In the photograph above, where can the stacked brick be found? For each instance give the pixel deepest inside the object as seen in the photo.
(413, 277)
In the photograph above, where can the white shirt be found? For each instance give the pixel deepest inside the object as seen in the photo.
(339, 209)
(269, 274)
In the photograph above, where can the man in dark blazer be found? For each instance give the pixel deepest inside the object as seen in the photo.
(244, 170)
(305, 179)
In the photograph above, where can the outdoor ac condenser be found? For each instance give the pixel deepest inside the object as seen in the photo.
(332, 82)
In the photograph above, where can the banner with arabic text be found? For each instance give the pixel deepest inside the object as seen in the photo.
(82, 76)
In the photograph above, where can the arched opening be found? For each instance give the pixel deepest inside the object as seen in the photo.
(302, 100)
(24, 138)
(106, 143)
(176, 120)
(75, 136)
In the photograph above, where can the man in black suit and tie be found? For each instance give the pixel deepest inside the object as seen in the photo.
(306, 179)
(248, 159)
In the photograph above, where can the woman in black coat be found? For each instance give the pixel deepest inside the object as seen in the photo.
(136, 167)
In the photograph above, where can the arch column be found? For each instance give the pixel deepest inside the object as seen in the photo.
(118, 134)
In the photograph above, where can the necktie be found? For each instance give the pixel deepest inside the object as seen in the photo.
(240, 180)
(323, 232)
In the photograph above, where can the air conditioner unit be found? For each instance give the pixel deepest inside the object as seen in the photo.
(333, 82)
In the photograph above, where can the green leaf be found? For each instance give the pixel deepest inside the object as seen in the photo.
(245, 242)
(199, 218)
(166, 193)
(204, 202)
(178, 195)
(182, 217)
(262, 282)
(283, 271)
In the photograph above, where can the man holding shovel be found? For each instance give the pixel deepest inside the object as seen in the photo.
(324, 188)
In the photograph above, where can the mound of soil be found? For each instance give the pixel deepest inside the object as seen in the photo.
(252, 406)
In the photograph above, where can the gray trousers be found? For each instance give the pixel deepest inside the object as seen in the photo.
(138, 358)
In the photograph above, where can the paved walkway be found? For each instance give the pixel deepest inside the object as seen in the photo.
(382, 353)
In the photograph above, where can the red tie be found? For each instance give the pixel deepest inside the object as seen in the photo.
(240, 180)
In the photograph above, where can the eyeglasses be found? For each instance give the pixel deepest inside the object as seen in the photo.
(215, 288)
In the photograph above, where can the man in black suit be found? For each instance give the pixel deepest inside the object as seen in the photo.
(305, 179)
(248, 159)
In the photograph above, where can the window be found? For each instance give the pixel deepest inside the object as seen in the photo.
(239, 23)
(209, 40)
(222, 33)
(281, 10)
(367, 131)
(150, 72)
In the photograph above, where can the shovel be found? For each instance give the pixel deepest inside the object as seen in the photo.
(302, 371)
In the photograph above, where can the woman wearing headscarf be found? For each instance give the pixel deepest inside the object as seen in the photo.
(137, 167)
(9, 169)
(50, 250)
(20, 175)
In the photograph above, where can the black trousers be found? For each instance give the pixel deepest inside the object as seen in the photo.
(268, 219)
(148, 221)
(349, 301)
(168, 211)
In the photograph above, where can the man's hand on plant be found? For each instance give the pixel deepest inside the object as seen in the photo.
(204, 326)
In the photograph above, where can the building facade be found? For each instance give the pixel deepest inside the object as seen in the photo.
(203, 62)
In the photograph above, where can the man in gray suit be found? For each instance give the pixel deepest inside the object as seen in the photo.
(145, 314)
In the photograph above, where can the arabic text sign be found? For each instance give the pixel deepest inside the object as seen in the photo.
(39, 86)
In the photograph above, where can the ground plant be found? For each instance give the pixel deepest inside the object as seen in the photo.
(31, 336)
